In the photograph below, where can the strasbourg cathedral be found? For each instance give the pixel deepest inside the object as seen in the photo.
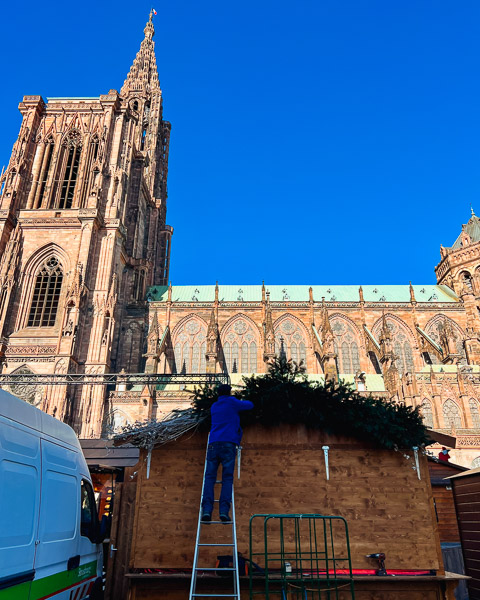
(84, 272)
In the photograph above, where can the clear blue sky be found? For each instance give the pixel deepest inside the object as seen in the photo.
(320, 141)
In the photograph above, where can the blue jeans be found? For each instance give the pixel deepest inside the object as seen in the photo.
(224, 453)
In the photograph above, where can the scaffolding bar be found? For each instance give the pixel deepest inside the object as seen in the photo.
(114, 379)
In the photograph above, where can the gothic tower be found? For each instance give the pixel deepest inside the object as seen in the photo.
(459, 269)
(83, 233)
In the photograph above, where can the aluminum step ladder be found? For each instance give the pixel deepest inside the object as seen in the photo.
(232, 546)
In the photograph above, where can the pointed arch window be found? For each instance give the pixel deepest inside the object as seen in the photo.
(427, 413)
(46, 294)
(92, 169)
(434, 330)
(474, 413)
(239, 347)
(466, 280)
(190, 347)
(45, 170)
(346, 346)
(72, 150)
(451, 415)
(290, 341)
(30, 393)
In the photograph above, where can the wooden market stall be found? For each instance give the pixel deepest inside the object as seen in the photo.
(387, 503)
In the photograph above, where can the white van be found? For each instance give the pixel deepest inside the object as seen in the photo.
(49, 532)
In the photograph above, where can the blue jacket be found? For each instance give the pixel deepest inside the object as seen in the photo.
(226, 420)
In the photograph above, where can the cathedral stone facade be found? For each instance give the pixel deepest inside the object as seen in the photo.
(84, 271)
(82, 235)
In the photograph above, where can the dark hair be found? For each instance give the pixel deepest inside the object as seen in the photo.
(224, 389)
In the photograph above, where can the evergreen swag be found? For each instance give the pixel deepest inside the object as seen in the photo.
(285, 395)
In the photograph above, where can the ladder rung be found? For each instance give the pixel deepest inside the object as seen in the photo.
(215, 569)
(216, 544)
(216, 522)
(214, 595)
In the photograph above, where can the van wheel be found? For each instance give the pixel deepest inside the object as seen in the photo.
(97, 590)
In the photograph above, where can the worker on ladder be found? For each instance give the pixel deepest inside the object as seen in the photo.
(225, 437)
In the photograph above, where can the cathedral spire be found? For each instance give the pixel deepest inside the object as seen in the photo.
(143, 74)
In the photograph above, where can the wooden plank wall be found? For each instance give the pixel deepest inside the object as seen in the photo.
(446, 513)
(443, 498)
(121, 537)
(388, 509)
(467, 501)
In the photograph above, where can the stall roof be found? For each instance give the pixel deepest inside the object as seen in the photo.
(101, 453)
(475, 471)
(442, 438)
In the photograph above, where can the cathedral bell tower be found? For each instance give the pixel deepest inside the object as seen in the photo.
(459, 269)
(83, 233)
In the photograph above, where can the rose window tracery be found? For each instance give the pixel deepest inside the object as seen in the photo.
(346, 346)
(290, 341)
(190, 347)
(240, 347)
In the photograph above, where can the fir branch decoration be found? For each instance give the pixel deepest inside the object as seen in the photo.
(285, 395)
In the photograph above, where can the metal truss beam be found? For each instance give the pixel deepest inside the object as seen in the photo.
(114, 379)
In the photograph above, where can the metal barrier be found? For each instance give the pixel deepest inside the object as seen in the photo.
(304, 557)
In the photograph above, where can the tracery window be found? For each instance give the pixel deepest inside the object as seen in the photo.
(30, 393)
(474, 413)
(240, 347)
(69, 174)
(427, 413)
(92, 168)
(434, 329)
(190, 347)
(46, 294)
(451, 415)
(290, 341)
(46, 164)
(346, 346)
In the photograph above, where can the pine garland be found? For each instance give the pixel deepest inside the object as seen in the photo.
(285, 395)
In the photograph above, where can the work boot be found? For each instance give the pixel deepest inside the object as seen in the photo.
(225, 518)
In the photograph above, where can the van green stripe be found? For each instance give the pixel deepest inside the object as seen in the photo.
(52, 584)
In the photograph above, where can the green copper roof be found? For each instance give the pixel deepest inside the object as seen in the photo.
(375, 383)
(299, 293)
(473, 230)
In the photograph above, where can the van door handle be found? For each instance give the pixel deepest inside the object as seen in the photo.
(73, 562)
